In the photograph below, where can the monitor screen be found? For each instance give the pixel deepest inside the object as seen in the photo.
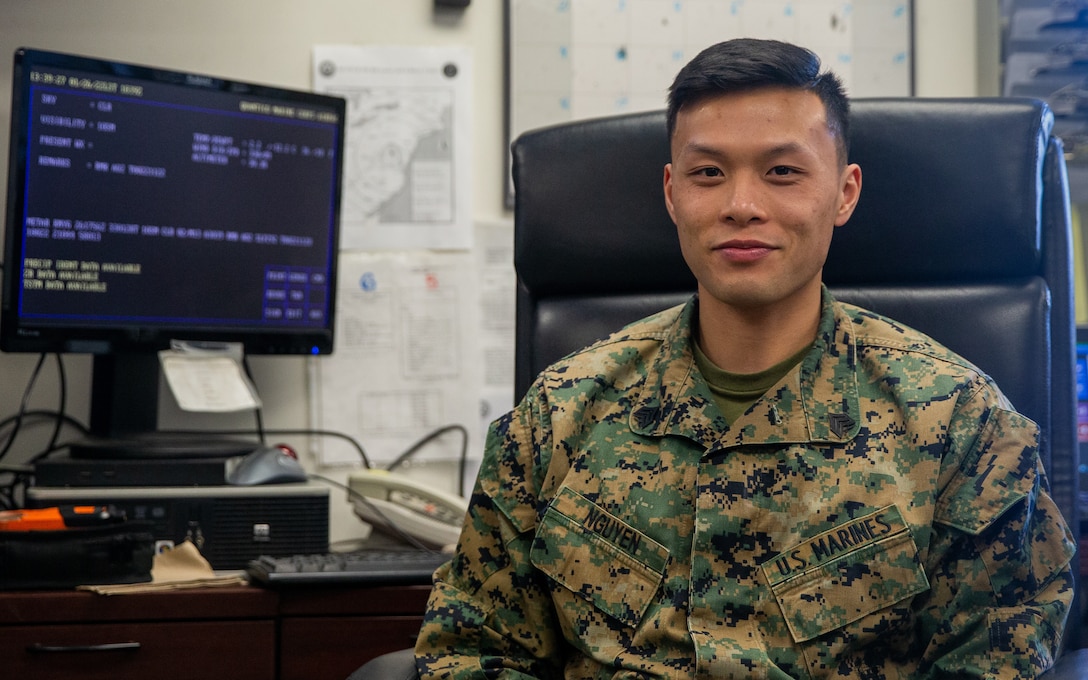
(146, 206)
(1082, 388)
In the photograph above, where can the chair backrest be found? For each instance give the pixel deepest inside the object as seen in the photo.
(962, 231)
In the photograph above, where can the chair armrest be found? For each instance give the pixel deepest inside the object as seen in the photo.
(1073, 665)
(398, 665)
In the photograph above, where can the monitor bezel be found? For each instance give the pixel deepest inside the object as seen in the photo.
(18, 334)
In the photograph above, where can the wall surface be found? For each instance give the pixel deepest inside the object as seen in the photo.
(270, 41)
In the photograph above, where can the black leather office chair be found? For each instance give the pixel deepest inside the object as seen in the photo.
(962, 231)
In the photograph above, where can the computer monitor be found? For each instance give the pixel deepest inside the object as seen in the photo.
(146, 205)
(1082, 391)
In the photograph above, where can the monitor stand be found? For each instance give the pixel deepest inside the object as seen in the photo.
(160, 445)
(125, 413)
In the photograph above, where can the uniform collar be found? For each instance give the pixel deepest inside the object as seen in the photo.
(816, 402)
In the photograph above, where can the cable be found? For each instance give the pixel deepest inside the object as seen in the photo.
(63, 405)
(64, 418)
(23, 473)
(23, 406)
(59, 416)
(284, 433)
(414, 448)
(258, 413)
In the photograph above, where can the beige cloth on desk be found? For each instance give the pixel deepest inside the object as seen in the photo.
(180, 567)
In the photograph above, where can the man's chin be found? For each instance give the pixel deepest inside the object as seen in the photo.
(748, 296)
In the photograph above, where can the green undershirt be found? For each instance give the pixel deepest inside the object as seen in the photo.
(735, 392)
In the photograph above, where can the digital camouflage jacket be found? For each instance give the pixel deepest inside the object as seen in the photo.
(881, 512)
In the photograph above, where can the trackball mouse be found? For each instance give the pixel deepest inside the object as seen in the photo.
(267, 465)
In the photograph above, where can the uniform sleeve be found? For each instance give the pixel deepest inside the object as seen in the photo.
(1000, 560)
(489, 615)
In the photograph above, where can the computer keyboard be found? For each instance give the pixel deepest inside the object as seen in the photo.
(362, 567)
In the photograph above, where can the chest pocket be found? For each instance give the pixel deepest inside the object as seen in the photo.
(846, 573)
(598, 557)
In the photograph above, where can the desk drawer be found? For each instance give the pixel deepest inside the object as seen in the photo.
(330, 648)
(240, 650)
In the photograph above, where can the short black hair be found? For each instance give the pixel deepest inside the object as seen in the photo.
(746, 64)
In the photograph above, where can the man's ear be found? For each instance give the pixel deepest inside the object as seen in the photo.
(849, 193)
(667, 184)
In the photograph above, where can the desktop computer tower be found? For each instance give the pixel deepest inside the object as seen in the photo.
(229, 524)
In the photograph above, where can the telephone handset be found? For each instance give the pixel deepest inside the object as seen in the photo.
(432, 516)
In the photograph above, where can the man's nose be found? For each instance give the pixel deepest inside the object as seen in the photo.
(743, 202)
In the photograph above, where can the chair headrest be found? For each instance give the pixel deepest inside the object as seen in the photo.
(951, 189)
(605, 171)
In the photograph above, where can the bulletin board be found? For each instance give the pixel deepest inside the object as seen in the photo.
(574, 59)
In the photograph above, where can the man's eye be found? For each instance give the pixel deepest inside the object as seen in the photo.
(782, 171)
(709, 172)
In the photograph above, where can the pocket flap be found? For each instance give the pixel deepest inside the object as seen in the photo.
(846, 573)
(1000, 471)
(599, 557)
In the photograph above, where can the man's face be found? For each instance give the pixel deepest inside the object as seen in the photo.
(756, 188)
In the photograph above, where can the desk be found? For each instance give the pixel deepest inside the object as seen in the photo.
(242, 633)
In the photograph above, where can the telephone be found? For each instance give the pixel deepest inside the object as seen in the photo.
(432, 516)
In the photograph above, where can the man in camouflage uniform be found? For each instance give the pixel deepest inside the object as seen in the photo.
(764, 482)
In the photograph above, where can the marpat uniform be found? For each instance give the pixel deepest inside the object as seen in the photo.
(881, 512)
